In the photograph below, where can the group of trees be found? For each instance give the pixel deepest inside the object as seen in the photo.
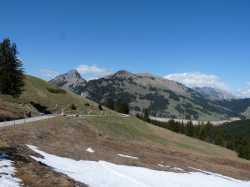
(118, 105)
(11, 71)
(212, 134)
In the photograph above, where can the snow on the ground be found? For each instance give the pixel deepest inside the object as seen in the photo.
(127, 156)
(90, 150)
(171, 168)
(163, 166)
(105, 174)
(177, 169)
(125, 115)
(7, 172)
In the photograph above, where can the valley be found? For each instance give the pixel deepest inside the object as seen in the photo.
(91, 132)
(162, 98)
(124, 93)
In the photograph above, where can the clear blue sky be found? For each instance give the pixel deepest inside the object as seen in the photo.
(161, 37)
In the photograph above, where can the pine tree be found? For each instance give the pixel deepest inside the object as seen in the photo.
(146, 115)
(121, 107)
(11, 71)
(109, 103)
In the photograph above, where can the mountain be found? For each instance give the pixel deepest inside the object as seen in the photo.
(71, 80)
(162, 97)
(214, 93)
(113, 137)
(240, 106)
(116, 139)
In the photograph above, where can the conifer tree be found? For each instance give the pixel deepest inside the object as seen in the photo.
(11, 71)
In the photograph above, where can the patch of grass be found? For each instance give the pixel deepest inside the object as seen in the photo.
(125, 127)
(133, 129)
(53, 99)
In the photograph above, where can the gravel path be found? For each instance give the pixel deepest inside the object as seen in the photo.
(26, 120)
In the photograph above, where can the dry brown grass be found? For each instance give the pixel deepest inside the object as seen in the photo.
(34, 173)
(69, 137)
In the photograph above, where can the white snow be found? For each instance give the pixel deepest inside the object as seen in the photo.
(90, 150)
(177, 169)
(127, 156)
(105, 174)
(171, 168)
(7, 172)
(163, 166)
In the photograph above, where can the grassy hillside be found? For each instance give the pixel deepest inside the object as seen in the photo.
(133, 129)
(39, 97)
(109, 136)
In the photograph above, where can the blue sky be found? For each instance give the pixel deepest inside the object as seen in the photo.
(201, 39)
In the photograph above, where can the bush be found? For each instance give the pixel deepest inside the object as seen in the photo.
(73, 107)
(55, 90)
(100, 107)
(121, 107)
(40, 108)
(87, 104)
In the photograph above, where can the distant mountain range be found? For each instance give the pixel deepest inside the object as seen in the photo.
(214, 93)
(162, 97)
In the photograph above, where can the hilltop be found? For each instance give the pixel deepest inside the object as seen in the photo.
(70, 81)
(40, 97)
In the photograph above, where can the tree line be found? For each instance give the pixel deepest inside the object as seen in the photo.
(117, 105)
(217, 135)
(11, 69)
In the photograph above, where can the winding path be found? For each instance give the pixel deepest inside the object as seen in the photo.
(26, 120)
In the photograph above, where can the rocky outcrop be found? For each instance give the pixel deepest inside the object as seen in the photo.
(71, 80)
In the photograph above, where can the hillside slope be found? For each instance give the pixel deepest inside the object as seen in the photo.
(162, 97)
(240, 106)
(214, 94)
(112, 138)
(40, 97)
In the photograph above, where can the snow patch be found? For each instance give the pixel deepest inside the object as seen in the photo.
(7, 172)
(171, 168)
(127, 156)
(105, 174)
(163, 166)
(177, 169)
(90, 150)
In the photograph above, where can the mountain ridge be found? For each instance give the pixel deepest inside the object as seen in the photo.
(162, 97)
(214, 93)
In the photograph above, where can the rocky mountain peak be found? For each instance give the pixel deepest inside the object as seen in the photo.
(71, 80)
(73, 74)
(122, 74)
(163, 97)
